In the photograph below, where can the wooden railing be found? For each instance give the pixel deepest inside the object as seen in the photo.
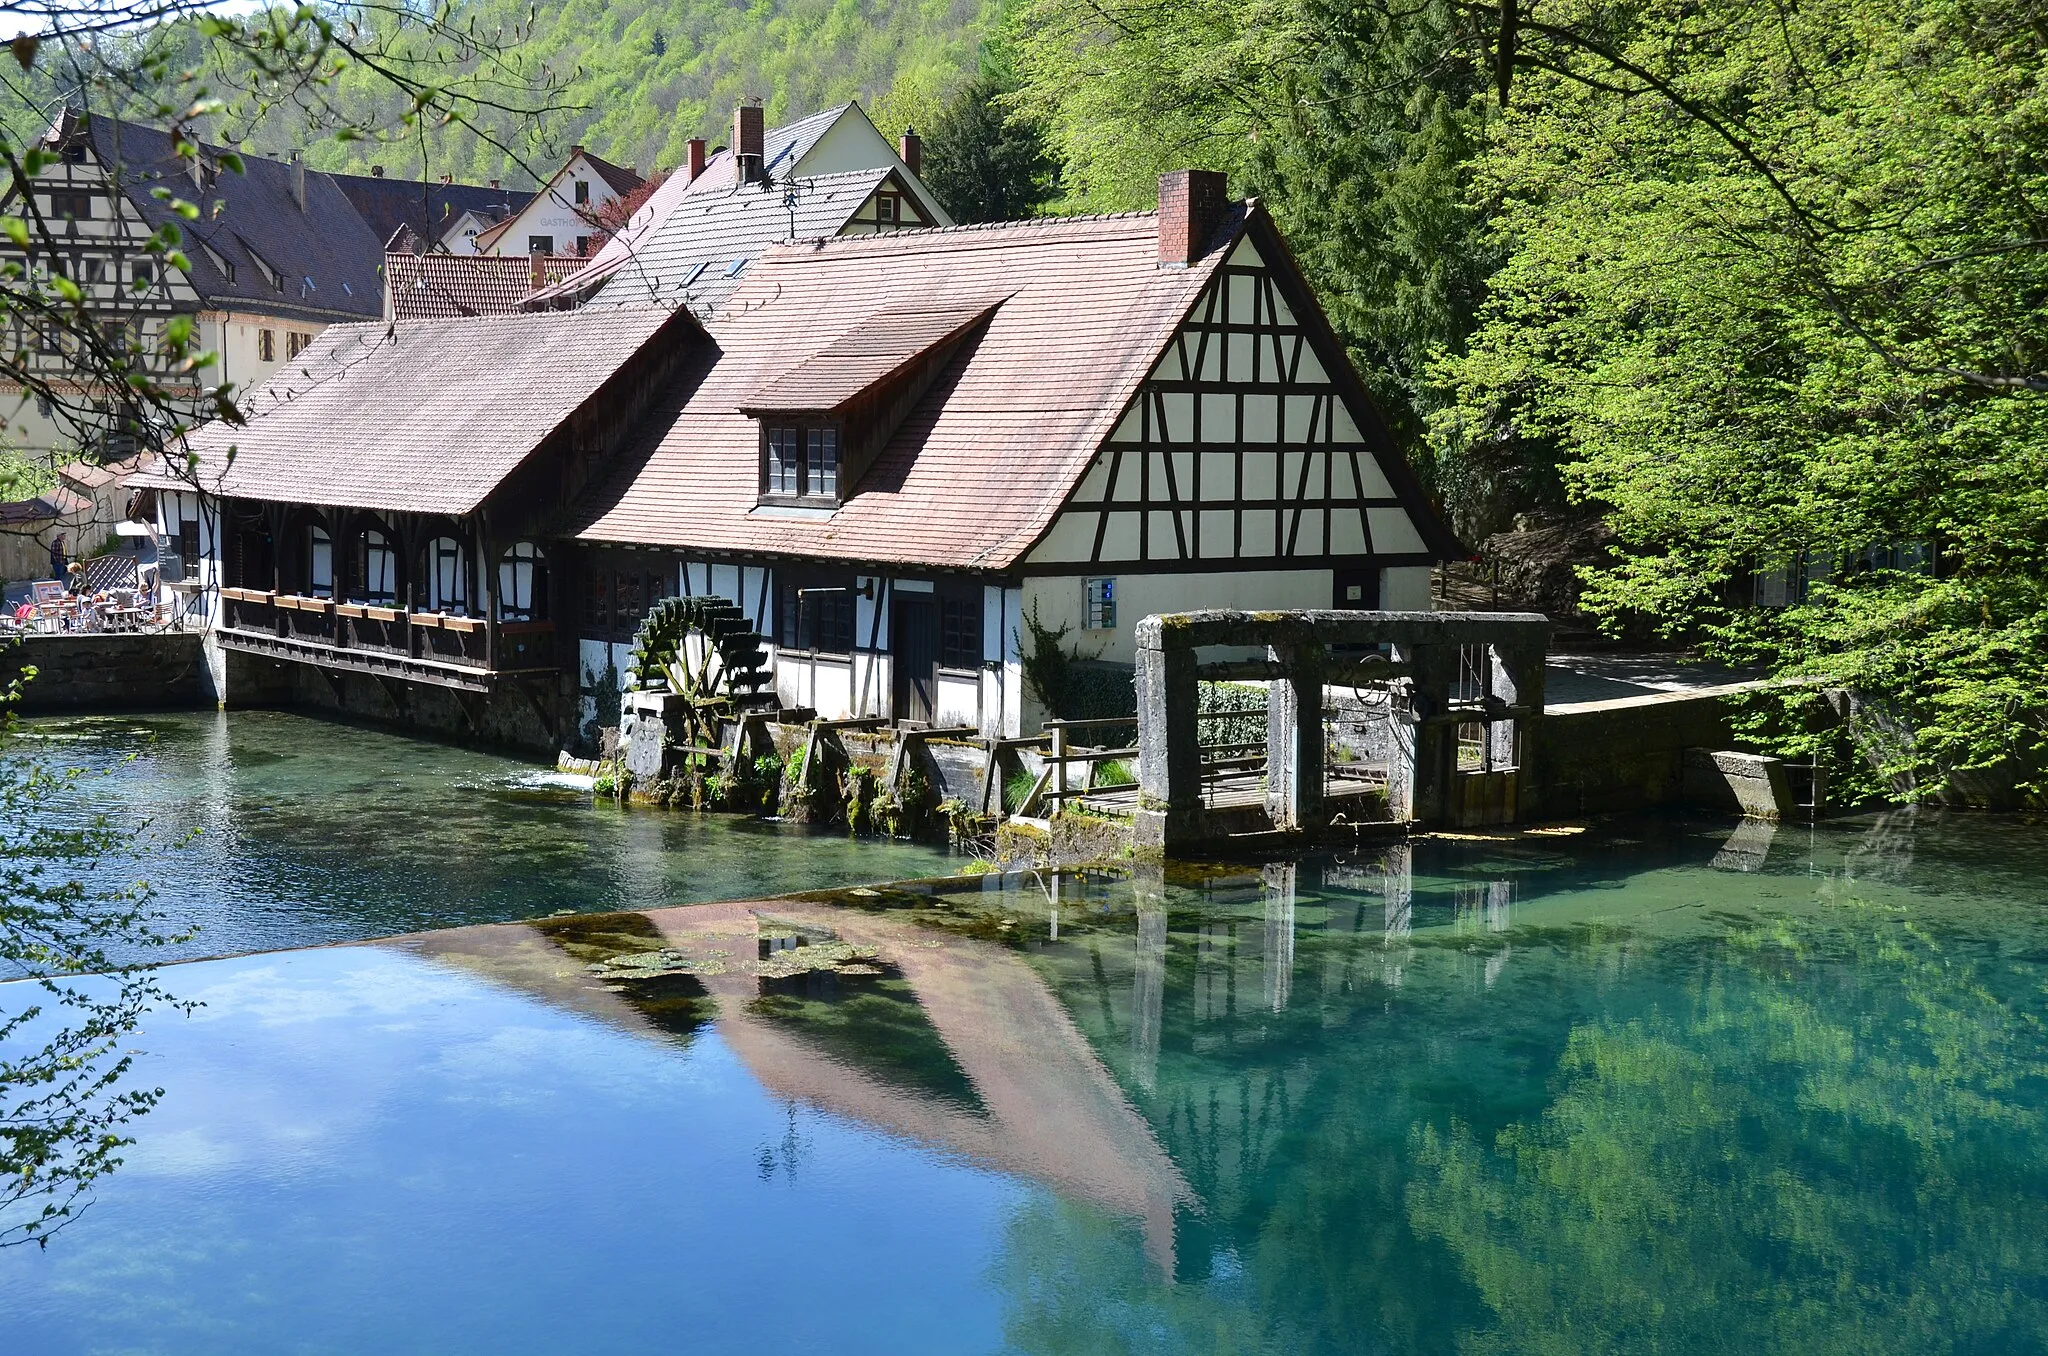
(402, 633)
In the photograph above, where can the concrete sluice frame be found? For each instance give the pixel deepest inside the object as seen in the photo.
(1422, 667)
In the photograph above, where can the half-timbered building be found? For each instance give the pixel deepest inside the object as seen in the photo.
(900, 455)
(276, 254)
(391, 515)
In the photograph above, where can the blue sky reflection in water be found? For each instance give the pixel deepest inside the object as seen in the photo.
(1684, 1094)
(296, 831)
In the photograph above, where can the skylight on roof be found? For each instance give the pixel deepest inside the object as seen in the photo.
(736, 267)
(695, 272)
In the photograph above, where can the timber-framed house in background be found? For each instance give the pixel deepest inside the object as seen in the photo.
(276, 255)
(898, 455)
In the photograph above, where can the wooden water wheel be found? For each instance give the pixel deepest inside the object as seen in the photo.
(703, 650)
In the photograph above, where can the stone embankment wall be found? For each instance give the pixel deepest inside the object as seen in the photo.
(1627, 754)
(529, 716)
(109, 672)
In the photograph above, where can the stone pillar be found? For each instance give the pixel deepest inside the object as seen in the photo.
(1295, 748)
(1169, 744)
(1433, 672)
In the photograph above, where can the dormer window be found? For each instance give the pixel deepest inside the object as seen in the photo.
(799, 462)
(825, 421)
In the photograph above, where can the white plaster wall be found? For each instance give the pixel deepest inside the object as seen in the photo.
(1406, 589)
(959, 701)
(823, 684)
(1060, 601)
(553, 212)
(234, 335)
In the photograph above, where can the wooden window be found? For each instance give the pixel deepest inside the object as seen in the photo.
(376, 578)
(1100, 613)
(319, 562)
(886, 208)
(597, 600)
(143, 271)
(73, 205)
(800, 462)
(266, 345)
(814, 613)
(582, 192)
(540, 244)
(96, 270)
(960, 629)
(583, 247)
(821, 462)
(523, 583)
(444, 585)
(785, 463)
(296, 343)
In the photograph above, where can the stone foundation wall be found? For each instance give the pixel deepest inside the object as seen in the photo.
(530, 717)
(109, 672)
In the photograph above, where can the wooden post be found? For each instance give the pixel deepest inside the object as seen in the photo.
(1059, 765)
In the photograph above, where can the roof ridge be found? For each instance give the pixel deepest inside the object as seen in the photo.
(1022, 223)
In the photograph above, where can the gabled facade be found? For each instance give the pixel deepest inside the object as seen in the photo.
(831, 174)
(907, 452)
(277, 254)
(560, 218)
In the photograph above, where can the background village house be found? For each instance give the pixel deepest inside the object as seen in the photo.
(277, 254)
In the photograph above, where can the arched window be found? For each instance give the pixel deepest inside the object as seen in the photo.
(523, 583)
(446, 577)
(319, 562)
(376, 578)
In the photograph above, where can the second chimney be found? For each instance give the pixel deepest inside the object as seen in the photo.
(911, 148)
(696, 161)
(299, 180)
(1192, 204)
(748, 135)
(539, 263)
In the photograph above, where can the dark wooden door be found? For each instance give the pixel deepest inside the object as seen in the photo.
(914, 650)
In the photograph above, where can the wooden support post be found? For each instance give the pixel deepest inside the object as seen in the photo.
(1059, 765)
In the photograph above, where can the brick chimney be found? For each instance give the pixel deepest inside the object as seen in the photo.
(1191, 208)
(376, 171)
(911, 148)
(696, 161)
(540, 270)
(748, 137)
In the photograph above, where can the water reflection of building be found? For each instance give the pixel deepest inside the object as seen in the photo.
(1043, 1106)
(1149, 1047)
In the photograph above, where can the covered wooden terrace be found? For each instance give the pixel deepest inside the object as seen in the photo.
(429, 598)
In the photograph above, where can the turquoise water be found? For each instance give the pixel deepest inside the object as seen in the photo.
(269, 830)
(1638, 1089)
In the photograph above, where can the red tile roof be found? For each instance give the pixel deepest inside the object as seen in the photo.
(976, 472)
(886, 343)
(436, 286)
(425, 416)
